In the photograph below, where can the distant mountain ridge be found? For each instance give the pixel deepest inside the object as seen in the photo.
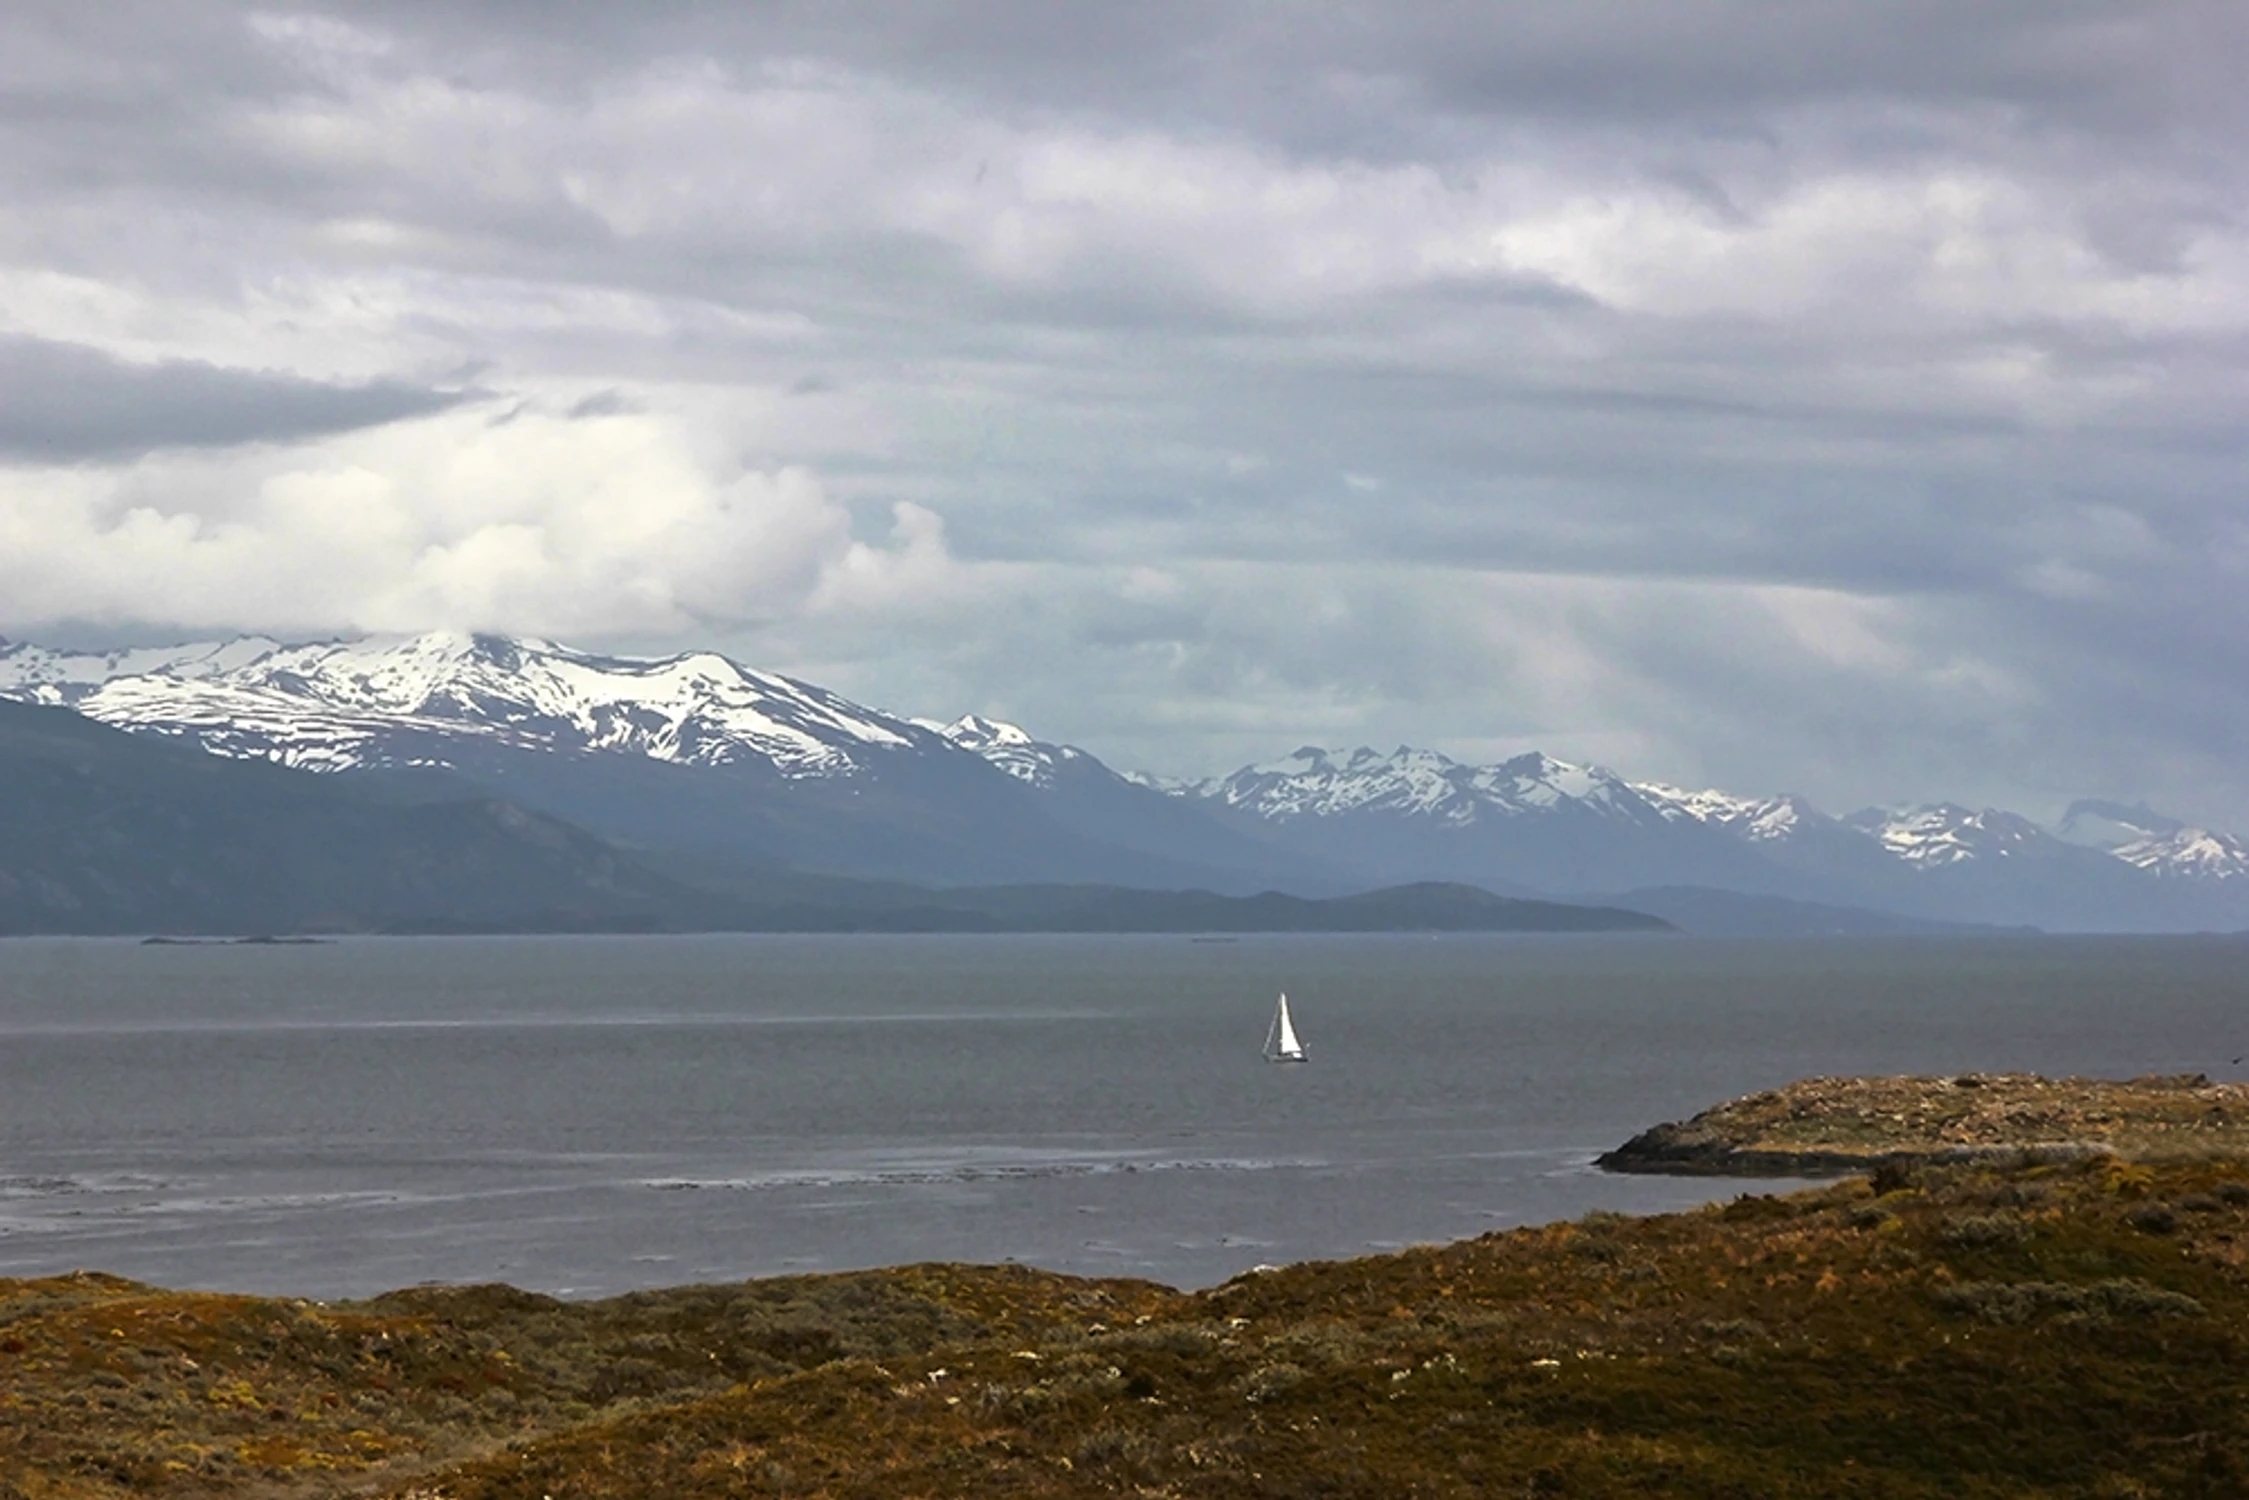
(693, 755)
(2161, 845)
(1316, 783)
(1534, 822)
(343, 704)
(103, 832)
(698, 754)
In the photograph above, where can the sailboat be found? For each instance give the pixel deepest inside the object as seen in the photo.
(1281, 1044)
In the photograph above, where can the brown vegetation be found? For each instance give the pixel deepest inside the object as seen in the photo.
(108, 1387)
(2075, 1326)
(1828, 1125)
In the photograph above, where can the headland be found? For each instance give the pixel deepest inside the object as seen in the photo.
(1826, 1126)
(2011, 1321)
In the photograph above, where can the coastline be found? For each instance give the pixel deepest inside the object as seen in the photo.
(1838, 1339)
(1823, 1127)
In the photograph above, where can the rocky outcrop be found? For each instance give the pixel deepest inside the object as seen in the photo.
(1829, 1126)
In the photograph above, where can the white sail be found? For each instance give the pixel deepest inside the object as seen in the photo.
(1281, 1044)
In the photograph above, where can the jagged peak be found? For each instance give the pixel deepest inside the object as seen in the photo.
(975, 731)
(1533, 763)
(330, 704)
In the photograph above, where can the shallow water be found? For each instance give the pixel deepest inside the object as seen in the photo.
(592, 1115)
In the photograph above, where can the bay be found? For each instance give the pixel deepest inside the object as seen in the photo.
(591, 1115)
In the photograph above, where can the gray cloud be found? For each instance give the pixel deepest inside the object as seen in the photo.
(67, 403)
(1835, 395)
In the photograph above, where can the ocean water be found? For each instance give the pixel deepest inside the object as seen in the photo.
(590, 1115)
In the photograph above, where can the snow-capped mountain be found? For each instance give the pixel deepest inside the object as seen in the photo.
(1543, 823)
(1093, 801)
(1010, 747)
(1528, 823)
(1313, 783)
(1945, 833)
(1423, 784)
(354, 704)
(694, 753)
(2152, 841)
(2149, 841)
(700, 754)
(36, 674)
(1760, 820)
(2192, 854)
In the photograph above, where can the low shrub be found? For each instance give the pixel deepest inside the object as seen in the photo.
(1270, 1382)
(2001, 1230)
(2153, 1218)
(2019, 1302)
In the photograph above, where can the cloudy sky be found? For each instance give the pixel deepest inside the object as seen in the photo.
(1839, 397)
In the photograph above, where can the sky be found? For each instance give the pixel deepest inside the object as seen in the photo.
(1840, 396)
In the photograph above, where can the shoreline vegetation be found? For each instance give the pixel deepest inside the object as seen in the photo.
(1821, 1127)
(2017, 1320)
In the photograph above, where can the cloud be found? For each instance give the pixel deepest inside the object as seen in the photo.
(1842, 396)
(67, 402)
(605, 525)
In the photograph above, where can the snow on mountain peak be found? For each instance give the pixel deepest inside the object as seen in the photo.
(1313, 782)
(2155, 842)
(339, 704)
(1757, 819)
(1007, 746)
(2189, 854)
(1938, 834)
(1319, 783)
(418, 699)
(40, 674)
(974, 731)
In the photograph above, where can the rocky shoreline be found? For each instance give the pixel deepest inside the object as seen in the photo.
(1822, 1127)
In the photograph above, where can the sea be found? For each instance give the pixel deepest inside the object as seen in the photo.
(588, 1116)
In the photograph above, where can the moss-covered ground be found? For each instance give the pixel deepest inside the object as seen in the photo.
(2079, 1328)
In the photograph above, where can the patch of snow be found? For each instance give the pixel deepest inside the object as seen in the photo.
(1943, 834)
(1759, 820)
(2194, 854)
(1421, 784)
(70, 675)
(1010, 747)
(340, 704)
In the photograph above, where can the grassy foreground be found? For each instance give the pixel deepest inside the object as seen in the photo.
(2074, 1328)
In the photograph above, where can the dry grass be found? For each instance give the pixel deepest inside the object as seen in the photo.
(108, 1387)
(1829, 1343)
(1842, 1124)
(2072, 1328)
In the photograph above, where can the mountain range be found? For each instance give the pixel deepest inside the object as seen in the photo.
(105, 832)
(708, 773)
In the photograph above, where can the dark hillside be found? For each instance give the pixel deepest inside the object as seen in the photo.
(105, 832)
(846, 906)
